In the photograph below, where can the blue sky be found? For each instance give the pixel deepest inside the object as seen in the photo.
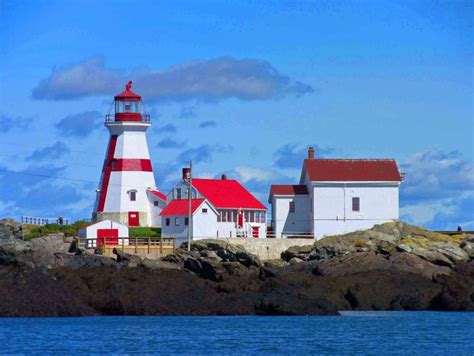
(242, 88)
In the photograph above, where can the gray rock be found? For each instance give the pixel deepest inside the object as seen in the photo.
(295, 260)
(404, 248)
(433, 257)
(300, 252)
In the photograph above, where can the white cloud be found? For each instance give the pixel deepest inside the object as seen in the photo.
(213, 79)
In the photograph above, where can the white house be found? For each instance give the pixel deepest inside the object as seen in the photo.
(237, 212)
(111, 231)
(336, 196)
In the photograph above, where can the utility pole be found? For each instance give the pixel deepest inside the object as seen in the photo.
(190, 197)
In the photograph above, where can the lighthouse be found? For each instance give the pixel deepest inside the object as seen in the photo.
(127, 190)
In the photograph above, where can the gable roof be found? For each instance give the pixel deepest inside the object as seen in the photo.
(350, 170)
(158, 194)
(227, 193)
(288, 189)
(178, 207)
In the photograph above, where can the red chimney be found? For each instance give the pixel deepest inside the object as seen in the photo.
(186, 173)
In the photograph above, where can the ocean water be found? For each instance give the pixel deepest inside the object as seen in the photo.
(412, 333)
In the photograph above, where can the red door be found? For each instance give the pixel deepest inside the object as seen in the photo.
(110, 236)
(255, 231)
(133, 218)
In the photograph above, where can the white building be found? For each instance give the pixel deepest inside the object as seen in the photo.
(127, 193)
(221, 208)
(111, 231)
(336, 196)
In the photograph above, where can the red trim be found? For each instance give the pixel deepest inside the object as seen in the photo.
(158, 194)
(106, 172)
(132, 164)
(128, 116)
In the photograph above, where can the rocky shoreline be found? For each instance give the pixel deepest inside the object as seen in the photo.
(393, 266)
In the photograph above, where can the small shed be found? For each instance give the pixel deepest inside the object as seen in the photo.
(107, 231)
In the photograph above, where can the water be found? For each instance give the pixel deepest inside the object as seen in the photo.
(354, 333)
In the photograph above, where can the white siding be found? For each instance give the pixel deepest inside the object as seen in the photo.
(286, 223)
(332, 206)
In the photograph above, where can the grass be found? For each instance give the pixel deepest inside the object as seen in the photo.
(33, 231)
(145, 232)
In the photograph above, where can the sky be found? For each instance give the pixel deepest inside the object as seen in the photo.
(242, 88)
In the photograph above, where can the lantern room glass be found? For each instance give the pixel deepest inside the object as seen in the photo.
(127, 107)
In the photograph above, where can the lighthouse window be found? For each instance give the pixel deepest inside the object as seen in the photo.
(133, 195)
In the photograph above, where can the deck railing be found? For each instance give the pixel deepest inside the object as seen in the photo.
(134, 245)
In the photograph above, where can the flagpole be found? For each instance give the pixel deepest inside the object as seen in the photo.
(190, 194)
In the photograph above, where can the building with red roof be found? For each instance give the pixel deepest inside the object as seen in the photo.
(336, 196)
(220, 208)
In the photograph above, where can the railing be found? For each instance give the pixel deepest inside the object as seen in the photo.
(145, 117)
(34, 220)
(134, 245)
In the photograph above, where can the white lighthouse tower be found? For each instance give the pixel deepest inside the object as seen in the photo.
(127, 193)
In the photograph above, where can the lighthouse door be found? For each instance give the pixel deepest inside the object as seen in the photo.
(133, 218)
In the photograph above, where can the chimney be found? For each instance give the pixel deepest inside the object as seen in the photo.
(224, 177)
(311, 153)
(186, 173)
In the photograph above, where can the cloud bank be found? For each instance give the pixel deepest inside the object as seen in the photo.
(207, 80)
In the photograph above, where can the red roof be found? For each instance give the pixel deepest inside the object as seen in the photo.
(288, 190)
(178, 207)
(332, 170)
(227, 193)
(128, 94)
(158, 194)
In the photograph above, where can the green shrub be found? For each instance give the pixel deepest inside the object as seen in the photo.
(145, 232)
(32, 231)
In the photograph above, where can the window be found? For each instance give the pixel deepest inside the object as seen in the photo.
(204, 210)
(186, 221)
(167, 222)
(133, 195)
(234, 216)
(178, 193)
(356, 204)
(252, 216)
(292, 206)
(155, 203)
(176, 221)
(224, 215)
(262, 217)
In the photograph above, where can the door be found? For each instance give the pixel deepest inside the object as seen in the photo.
(255, 231)
(109, 235)
(133, 218)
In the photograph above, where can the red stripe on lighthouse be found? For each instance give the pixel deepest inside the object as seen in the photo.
(132, 164)
(107, 170)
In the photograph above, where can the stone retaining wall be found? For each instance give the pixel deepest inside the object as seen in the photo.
(268, 249)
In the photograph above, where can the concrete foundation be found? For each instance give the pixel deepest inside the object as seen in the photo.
(268, 249)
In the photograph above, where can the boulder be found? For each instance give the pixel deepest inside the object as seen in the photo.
(75, 262)
(10, 229)
(225, 251)
(126, 259)
(300, 252)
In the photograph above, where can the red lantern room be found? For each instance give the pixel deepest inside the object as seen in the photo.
(128, 107)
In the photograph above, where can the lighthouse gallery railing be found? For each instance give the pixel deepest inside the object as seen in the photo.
(111, 118)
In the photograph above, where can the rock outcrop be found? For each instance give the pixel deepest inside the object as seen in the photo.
(393, 266)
